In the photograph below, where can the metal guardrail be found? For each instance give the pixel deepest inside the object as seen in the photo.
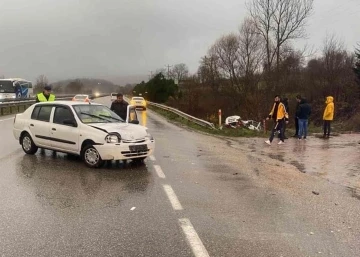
(20, 101)
(8, 100)
(184, 115)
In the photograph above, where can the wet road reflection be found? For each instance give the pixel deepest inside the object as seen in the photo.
(62, 181)
(335, 159)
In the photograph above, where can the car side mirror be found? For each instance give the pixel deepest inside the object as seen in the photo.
(135, 122)
(70, 122)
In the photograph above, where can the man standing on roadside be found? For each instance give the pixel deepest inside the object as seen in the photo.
(298, 100)
(280, 116)
(46, 95)
(119, 106)
(328, 116)
(303, 114)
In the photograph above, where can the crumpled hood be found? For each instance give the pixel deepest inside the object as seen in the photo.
(126, 130)
(329, 99)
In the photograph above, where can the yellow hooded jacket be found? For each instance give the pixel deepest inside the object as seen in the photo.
(281, 112)
(329, 109)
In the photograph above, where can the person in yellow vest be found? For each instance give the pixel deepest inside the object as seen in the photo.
(46, 95)
(281, 117)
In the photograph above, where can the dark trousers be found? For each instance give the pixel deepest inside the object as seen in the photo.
(327, 127)
(296, 127)
(279, 125)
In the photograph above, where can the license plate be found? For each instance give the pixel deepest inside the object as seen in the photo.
(138, 148)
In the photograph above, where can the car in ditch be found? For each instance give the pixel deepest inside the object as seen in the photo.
(89, 130)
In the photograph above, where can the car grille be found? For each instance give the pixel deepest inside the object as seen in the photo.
(135, 141)
(133, 154)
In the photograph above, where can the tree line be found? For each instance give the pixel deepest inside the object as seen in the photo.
(242, 71)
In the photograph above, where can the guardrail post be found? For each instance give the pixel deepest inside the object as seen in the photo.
(219, 118)
(264, 122)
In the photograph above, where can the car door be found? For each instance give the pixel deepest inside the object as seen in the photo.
(64, 130)
(131, 116)
(40, 125)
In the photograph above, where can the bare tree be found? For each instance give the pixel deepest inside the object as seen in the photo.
(180, 71)
(41, 81)
(279, 21)
(226, 51)
(250, 49)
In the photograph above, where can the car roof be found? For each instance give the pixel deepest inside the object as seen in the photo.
(69, 103)
(81, 95)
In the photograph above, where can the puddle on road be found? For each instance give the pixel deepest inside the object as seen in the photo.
(335, 159)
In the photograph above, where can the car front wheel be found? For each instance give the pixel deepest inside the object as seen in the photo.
(28, 144)
(91, 157)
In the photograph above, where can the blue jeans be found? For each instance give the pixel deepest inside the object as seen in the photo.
(303, 124)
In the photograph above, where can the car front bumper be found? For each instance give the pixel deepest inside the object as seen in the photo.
(122, 151)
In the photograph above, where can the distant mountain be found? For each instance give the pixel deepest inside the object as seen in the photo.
(89, 85)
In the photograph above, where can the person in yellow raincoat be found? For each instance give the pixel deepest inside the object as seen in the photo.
(328, 115)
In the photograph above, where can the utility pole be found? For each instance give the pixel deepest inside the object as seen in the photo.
(168, 73)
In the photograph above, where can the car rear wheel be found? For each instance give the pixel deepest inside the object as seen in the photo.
(28, 144)
(91, 157)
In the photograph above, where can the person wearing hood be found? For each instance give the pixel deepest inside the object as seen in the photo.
(328, 115)
(303, 113)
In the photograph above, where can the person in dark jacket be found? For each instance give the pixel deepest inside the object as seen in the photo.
(119, 106)
(298, 100)
(303, 114)
(285, 101)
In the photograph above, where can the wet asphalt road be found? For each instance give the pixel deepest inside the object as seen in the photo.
(240, 197)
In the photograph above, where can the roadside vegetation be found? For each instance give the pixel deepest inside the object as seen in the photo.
(242, 71)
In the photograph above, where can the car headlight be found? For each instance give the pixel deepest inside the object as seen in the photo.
(113, 138)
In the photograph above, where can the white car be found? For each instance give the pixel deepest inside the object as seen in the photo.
(113, 96)
(81, 98)
(89, 130)
(139, 102)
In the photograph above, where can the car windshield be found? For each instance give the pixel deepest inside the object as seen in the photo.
(6, 86)
(138, 98)
(96, 114)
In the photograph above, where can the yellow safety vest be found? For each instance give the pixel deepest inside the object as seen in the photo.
(42, 98)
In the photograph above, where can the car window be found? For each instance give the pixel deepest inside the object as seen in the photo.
(44, 113)
(61, 114)
(96, 114)
(35, 112)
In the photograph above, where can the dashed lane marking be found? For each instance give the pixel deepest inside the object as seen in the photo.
(173, 198)
(193, 239)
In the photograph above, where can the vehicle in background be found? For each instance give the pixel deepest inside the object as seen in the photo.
(81, 98)
(91, 131)
(113, 96)
(138, 102)
(15, 88)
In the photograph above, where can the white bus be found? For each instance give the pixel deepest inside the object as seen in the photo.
(15, 88)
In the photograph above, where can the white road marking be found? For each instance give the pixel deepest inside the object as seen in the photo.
(7, 119)
(173, 198)
(152, 157)
(133, 208)
(159, 171)
(193, 239)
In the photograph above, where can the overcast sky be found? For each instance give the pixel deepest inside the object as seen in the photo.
(126, 38)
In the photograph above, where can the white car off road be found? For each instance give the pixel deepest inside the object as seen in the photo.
(90, 130)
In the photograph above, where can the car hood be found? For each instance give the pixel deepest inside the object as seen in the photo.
(126, 130)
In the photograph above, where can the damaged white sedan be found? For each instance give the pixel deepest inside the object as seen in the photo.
(89, 130)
